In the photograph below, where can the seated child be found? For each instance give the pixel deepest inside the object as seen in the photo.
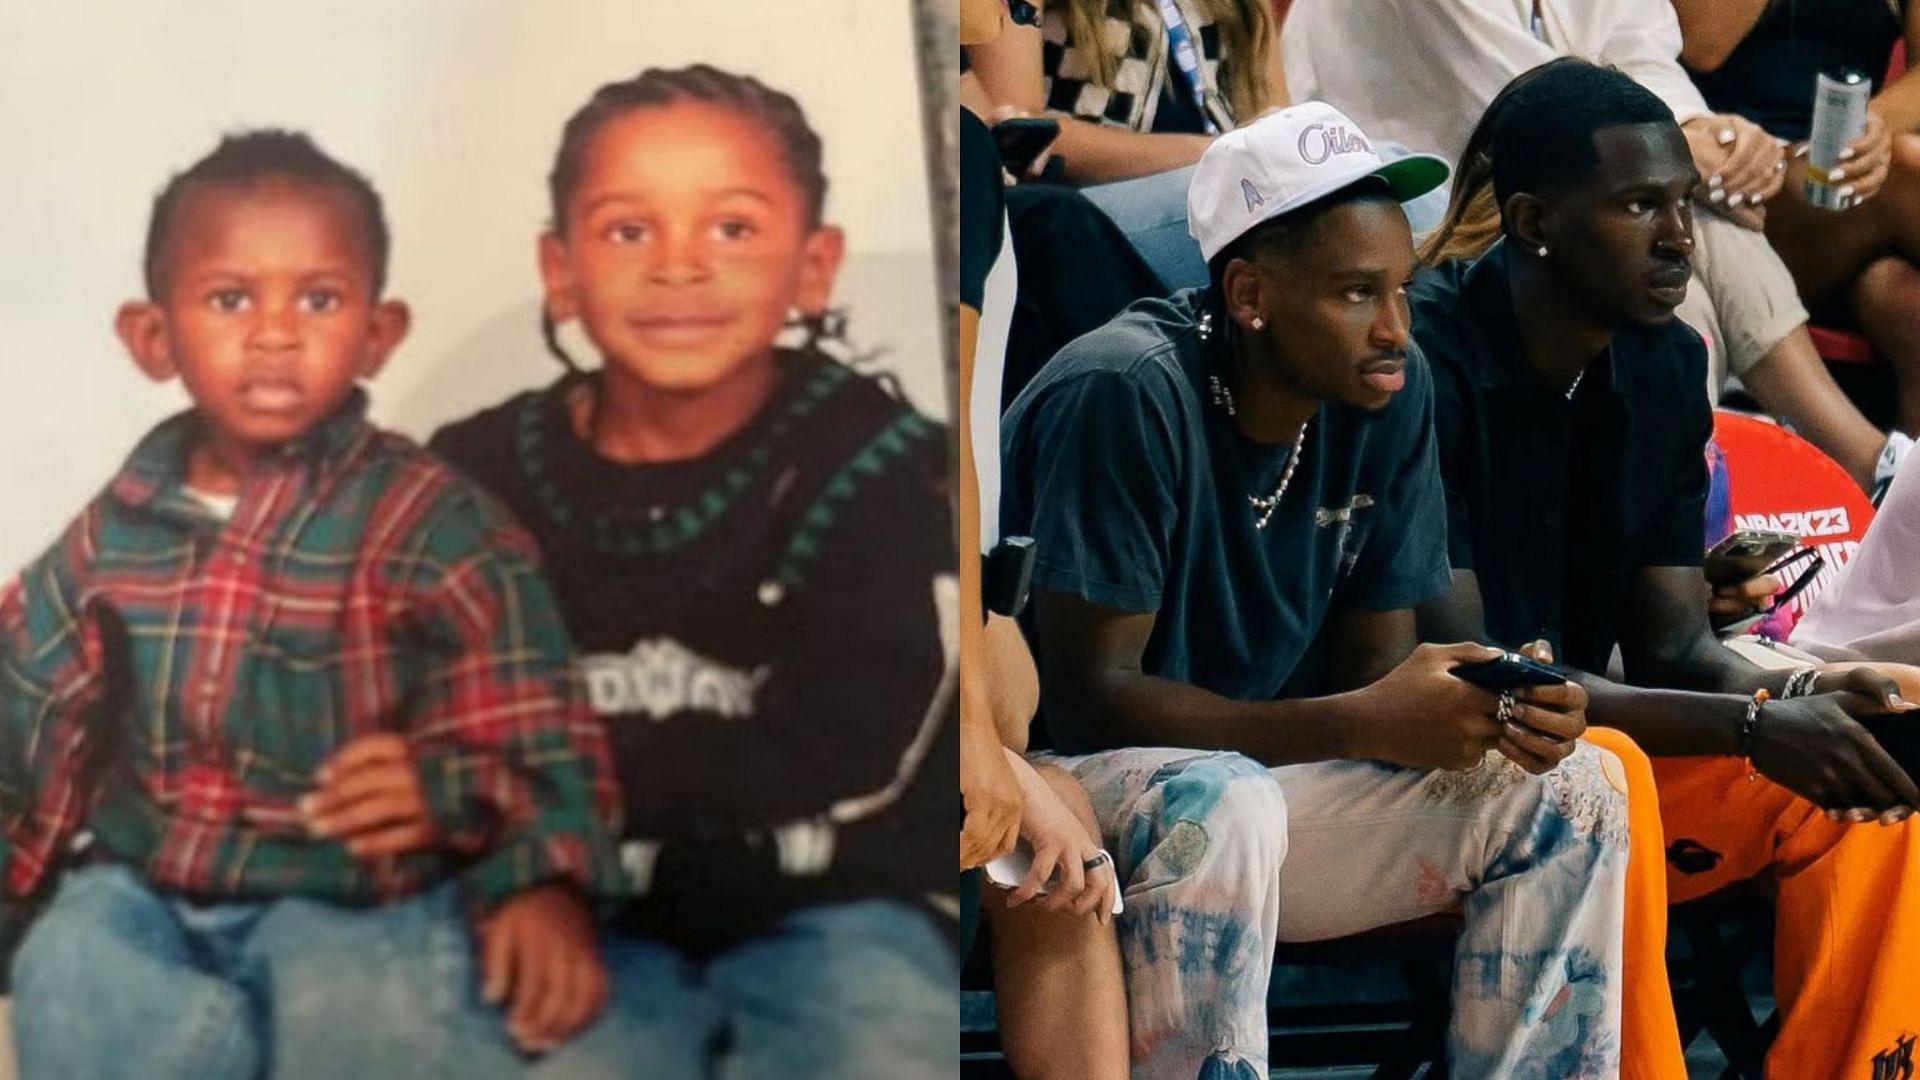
(267, 578)
(753, 547)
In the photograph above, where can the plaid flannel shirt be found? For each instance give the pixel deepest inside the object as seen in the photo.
(171, 681)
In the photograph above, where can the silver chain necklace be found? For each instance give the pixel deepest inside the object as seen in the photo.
(1263, 505)
(1267, 505)
(1576, 383)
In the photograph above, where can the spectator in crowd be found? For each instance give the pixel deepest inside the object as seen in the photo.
(1237, 506)
(1856, 266)
(1421, 72)
(1140, 90)
(1571, 415)
(1061, 1005)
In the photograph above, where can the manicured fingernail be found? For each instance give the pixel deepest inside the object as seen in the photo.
(1896, 815)
(1726, 136)
(1837, 175)
(1860, 815)
(1735, 200)
(1715, 180)
(1833, 815)
(1716, 196)
(1846, 191)
(1846, 154)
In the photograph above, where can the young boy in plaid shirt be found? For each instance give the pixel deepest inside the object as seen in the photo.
(272, 608)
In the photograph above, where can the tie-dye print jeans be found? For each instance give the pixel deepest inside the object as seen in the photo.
(1536, 863)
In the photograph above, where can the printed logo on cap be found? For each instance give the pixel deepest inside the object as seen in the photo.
(1318, 142)
(1252, 195)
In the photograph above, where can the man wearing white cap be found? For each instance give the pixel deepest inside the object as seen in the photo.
(1236, 503)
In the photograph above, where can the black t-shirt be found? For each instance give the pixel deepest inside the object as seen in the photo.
(1555, 504)
(1769, 76)
(983, 208)
(1178, 112)
(761, 630)
(989, 284)
(1135, 488)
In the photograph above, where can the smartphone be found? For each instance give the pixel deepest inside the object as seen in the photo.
(1006, 576)
(1746, 553)
(1009, 870)
(1510, 671)
(1021, 139)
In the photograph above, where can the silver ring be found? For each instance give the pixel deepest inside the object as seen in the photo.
(1505, 714)
(1099, 859)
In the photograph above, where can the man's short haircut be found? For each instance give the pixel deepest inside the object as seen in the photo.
(1542, 138)
(247, 158)
(1294, 229)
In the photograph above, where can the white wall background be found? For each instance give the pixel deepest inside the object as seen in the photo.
(454, 108)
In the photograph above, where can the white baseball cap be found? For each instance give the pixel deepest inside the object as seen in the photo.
(1285, 160)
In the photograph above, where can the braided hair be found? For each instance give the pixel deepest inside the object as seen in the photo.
(654, 87)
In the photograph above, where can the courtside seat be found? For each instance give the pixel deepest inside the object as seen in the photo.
(1779, 480)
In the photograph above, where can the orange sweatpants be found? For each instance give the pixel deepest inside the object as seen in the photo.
(1846, 924)
(1846, 921)
(1649, 1035)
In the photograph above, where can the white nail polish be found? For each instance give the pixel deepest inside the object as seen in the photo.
(1716, 196)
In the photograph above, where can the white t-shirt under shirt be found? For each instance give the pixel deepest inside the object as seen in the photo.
(220, 506)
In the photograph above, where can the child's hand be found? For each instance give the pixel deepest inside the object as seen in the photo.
(370, 798)
(541, 955)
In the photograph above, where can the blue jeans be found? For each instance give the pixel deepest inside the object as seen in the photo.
(117, 980)
(864, 991)
(1152, 211)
